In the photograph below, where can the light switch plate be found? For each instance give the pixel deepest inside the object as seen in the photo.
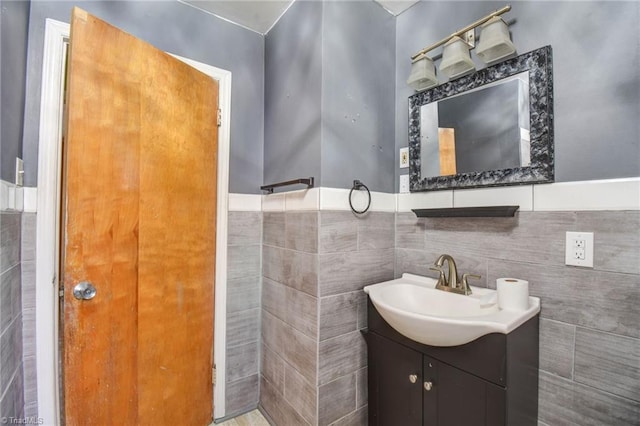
(404, 158)
(579, 249)
(404, 184)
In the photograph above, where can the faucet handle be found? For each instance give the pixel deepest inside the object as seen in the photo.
(442, 280)
(465, 283)
(466, 276)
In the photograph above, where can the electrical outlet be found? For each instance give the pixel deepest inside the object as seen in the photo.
(579, 249)
(404, 158)
(19, 172)
(404, 184)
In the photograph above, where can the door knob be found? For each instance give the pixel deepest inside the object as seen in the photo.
(413, 378)
(84, 291)
(428, 386)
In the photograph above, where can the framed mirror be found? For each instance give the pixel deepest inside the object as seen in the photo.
(490, 128)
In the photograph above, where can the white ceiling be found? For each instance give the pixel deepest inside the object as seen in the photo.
(260, 15)
(396, 7)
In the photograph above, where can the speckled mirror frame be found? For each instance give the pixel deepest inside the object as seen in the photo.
(541, 170)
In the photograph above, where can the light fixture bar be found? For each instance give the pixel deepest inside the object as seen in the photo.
(462, 31)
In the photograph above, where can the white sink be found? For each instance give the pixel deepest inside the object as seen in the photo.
(413, 307)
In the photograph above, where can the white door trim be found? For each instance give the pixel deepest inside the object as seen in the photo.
(47, 315)
(46, 222)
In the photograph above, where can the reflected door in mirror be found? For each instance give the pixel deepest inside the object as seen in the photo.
(484, 129)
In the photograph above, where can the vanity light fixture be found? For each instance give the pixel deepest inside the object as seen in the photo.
(495, 41)
(423, 73)
(456, 58)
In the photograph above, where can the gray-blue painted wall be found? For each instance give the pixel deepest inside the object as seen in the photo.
(293, 89)
(358, 65)
(325, 63)
(13, 63)
(329, 97)
(596, 63)
(182, 30)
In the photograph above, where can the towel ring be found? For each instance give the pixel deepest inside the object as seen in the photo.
(359, 185)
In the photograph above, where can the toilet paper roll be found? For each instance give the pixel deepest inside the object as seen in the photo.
(513, 294)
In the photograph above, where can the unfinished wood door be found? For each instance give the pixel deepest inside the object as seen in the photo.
(139, 212)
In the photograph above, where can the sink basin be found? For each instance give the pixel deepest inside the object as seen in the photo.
(413, 307)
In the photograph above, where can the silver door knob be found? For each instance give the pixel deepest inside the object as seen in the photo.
(428, 386)
(413, 378)
(84, 291)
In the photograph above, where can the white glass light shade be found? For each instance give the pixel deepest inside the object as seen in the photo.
(495, 42)
(423, 74)
(456, 60)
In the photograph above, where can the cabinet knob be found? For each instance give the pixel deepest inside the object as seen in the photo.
(428, 386)
(413, 378)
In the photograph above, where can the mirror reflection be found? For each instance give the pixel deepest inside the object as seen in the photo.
(483, 129)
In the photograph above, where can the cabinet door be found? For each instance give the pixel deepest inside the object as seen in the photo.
(458, 398)
(398, 397)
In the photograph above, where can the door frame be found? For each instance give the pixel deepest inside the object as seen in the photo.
(47, 247)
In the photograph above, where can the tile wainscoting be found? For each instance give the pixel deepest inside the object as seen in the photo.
(296, 266)
(590, 346)
(29, 314)
(589, 337)
(11, 316)
(244, 247)
(315, 265)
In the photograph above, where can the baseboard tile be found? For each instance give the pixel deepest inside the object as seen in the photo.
(245, 202)
(612, 194)
(15, 198)
(338, 199)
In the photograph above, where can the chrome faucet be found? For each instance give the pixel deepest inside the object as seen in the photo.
(453, 283)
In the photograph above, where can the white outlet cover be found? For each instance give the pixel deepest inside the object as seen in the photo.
(404, 158)
(579, 242)
(404, 184)
(19, 171)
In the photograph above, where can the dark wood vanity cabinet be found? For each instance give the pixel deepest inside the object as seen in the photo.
(490, 381)
(440, 395)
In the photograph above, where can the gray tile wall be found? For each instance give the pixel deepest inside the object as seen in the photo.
(11, 351)
(589, 335)
(315, 265)
(29, 314)
(243, 311)
(354, 251)
(289, 392)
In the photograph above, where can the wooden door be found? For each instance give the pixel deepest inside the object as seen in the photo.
(139, 224)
